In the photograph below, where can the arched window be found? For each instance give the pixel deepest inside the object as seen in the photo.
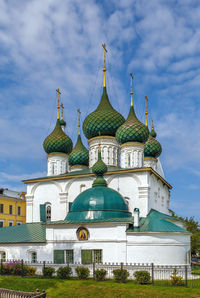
(3, 256)
(33, 257)
(129, 160)
(82, 187)
(48, 213)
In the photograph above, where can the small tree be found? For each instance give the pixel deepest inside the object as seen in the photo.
(175, 279)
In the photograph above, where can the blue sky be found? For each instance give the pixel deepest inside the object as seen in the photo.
(49, 44)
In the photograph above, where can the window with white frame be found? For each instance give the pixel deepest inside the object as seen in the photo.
(10, 223)
(1, 223)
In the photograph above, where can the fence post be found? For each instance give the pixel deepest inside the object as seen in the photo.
(122, 265)
(186, 276)
(1, 266)
(152, 273)
(22, 267)
(94, 270)
(43, 269)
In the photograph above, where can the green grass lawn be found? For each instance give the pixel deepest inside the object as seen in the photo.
(75, 288)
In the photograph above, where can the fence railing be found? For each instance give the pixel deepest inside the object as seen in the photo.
(160, 274)
(6, 293)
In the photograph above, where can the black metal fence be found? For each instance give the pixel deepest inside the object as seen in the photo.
(188, 276)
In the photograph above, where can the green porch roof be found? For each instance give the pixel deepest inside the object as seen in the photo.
(158, 222)
(30, 232)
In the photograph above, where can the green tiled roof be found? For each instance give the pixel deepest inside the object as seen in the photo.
(58, 141)
(152, 147)
(158, 222)
(132, 130)
(30, 232)
(120, 219)
(79, 155)
(104, 120)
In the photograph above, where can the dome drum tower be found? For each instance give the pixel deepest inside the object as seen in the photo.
(132, 135)
(58, 147)
(110, 150)
(100, 127)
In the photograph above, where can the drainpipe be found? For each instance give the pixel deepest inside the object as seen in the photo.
(136, 217)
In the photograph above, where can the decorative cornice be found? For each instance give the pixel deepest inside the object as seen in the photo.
(78, 167)
(122, 171)
(55, 154)
(101, 137)
(150, 158)
(132, 144)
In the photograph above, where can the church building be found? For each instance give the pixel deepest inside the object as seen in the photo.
(106, 204)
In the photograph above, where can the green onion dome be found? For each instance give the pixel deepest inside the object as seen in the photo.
(104, 120)
(98, 203)
(79, 155)
(132, 130)
(152, 147)
(58, 141)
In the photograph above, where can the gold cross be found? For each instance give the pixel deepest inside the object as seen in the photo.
(58, 91)
(62, 110)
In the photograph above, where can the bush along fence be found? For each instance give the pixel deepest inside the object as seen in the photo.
(180, 275)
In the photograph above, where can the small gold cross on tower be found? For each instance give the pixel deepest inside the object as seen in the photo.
(146, 113)
(79, 115)
(131, 74)
(104, 65)
(62, 108)
(58, 91)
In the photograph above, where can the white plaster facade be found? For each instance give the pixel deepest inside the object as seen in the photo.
(116, 244)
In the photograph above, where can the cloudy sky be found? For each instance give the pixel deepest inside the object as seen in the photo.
(49, 44)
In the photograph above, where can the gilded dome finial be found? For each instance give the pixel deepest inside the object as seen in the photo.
(146, 113)
(152, 125)
(131, 74)
(58, 106)
(104, 65)
(79, 115)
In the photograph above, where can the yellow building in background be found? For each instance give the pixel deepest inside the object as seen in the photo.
(12, 208)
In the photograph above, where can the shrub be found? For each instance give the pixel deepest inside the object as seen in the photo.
(30, 270)
(48, 271)
(100, 274)
(120, 275)
(175, 279)
(64, 272)
(82, 272)
(142, 277)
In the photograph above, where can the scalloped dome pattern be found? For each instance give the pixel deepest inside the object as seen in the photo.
(79, 155)
(58, 141)
(152, 148)
(132, 130)
(104, 120)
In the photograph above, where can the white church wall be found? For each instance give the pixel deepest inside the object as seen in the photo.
(159, 195)
(160, 249)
